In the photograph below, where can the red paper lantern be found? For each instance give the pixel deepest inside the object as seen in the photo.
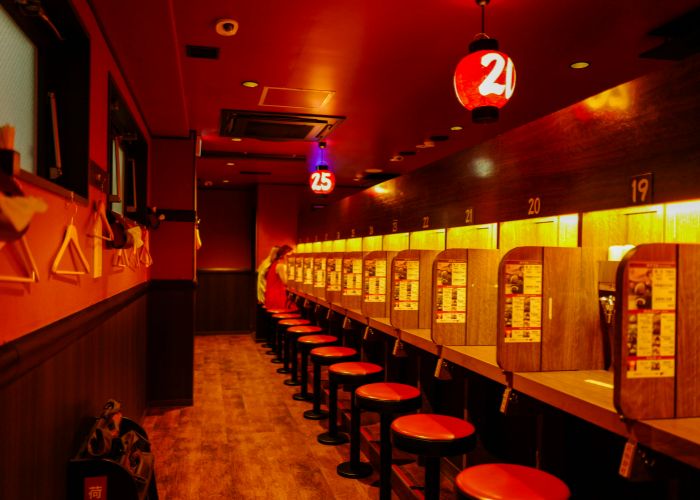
(484, 80)
(322, 181)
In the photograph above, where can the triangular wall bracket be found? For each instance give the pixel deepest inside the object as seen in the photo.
(32, 273)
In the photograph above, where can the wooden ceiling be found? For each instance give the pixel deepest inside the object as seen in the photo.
(386, 66)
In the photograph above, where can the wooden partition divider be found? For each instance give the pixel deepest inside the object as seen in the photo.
(547, 313)
(465, 284)
(656, 344)
(411, 289)
(376, 289)
(319, 272)
(307, 283)
(351, 294)
(334, 277)
(290, 260)
(299, 271)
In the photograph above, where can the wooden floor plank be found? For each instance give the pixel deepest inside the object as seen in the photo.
(245, 438)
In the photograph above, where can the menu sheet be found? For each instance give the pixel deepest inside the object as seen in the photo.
(333, 274)
(406, 284)
(451, 291)
(375, 280)
(319, 272)
(522, 286)
(352, 276)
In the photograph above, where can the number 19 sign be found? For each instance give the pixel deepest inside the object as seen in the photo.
(484, 79)
(322, 181)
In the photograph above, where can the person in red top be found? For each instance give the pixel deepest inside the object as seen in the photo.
(276, 287)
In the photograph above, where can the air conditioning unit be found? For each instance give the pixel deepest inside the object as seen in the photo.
(276, 126)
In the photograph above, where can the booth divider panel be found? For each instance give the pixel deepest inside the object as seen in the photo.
(571, 332)
(419, 316)
(516, 355)
(334, 277)
(482, 296)
(445, 332)
(307, 284)
(688, 343)
(372, 264)
(351, 296)
(319, 272)
(645, 388)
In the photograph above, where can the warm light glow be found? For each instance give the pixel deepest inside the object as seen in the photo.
(395, 242)
(371, 243)
(251, 84)
(432, 239)
(617, 98)
(616, 252)
(236, 139)
(579, 65)
(482, 167)
(456, 128)
(379, 189)
(481, 236)
(225, 181)
(316, 247)
(230, 164)
(327, 246)
(373, 170)
(338, 245)
(353, 245)
(484, 78)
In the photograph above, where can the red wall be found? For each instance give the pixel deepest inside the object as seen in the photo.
(26, 307)
(172, 165)
(276, 218)
(226, 228)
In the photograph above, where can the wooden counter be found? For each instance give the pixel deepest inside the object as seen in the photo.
(587, 394)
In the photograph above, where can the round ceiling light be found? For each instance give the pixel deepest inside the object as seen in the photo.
(236, 139)
(251, 84)
(226, 27)
(456, 128)
(579, 65)
(373, 170)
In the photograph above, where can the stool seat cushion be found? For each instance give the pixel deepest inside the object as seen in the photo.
(388, 391)
(506, 481)
(358, 368)
(281, 311)
(432, 435)
(432, 427)
(305, 329)
(317, 339)
(333, 352)
(294, 322)
(286, 316)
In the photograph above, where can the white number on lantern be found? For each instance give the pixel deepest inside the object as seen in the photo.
(489, 85)
(321, 181)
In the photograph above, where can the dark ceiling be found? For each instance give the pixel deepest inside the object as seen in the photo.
(385, 66)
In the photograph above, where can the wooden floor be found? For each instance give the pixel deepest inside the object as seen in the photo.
(245, 436)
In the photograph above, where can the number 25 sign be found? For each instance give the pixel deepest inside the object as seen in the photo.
(322, 181)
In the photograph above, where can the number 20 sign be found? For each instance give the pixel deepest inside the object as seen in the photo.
(322, 181)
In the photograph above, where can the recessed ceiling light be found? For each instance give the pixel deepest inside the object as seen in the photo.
(396, 158)
(208, 183)
(226, 27)
(225, 181)
(579, 65)
(456, 128)
(230, 164)
(236, 139)
(251, 84)
(373, 170)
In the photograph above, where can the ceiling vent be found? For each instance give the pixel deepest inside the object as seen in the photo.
(202, 52)
(276, 126)
(681, 38)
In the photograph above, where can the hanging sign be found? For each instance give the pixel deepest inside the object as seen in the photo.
(484, 82)
(322, 181)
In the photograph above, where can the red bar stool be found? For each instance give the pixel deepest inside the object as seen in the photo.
(432, 436)
(305, 344)
(326, 356)
(509, 482)
(276, 318)
(284, 325)
(351, 374)
(269, 324)
(290, 345)
(388, 399)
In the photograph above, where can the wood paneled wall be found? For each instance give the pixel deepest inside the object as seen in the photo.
(54, 380)
(225, 301)
(578, 159)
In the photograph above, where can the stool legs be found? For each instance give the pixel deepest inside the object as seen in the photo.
(316, 413)
(332, 437)
(303, 395)
(354, 469)
(385, 457)
(432, 478)
(285, 353)
(293, 380)
(276, 345)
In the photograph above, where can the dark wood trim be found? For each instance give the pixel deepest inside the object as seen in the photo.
(25, 353)
(51, 187)
(175, 215)
(172, 284)
(224, 270)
